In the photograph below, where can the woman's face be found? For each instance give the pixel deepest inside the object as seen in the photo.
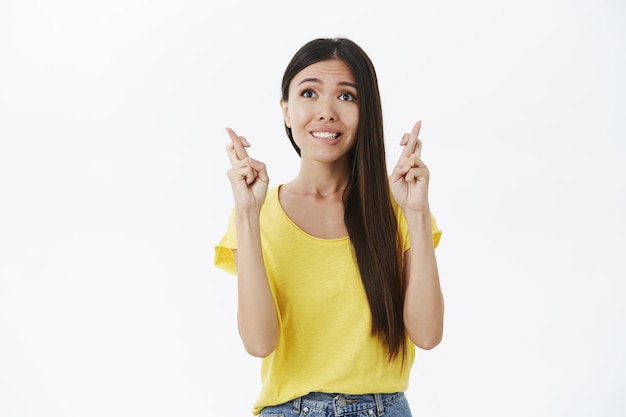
(323, 110)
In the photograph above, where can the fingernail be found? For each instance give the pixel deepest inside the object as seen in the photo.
(245, 141)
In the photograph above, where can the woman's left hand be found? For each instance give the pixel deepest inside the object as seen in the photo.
(409, 178)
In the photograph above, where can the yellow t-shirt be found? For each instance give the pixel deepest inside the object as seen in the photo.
(325, 341)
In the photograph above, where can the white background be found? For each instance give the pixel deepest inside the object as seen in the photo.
(113, 194)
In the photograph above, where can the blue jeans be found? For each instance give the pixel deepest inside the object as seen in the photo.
(318, 404)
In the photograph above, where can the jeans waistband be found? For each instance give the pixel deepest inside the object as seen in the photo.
(342, 404)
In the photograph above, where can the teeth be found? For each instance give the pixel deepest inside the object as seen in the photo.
(325, 135)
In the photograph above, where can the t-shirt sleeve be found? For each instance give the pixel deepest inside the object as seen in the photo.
(224, 256)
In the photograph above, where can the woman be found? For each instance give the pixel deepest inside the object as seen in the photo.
(337, 275)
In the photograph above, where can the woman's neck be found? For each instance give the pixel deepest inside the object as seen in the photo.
(320, 179)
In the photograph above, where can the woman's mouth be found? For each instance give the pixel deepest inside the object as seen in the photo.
(326, 135)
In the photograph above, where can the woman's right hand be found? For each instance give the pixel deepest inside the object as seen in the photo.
(248, 177)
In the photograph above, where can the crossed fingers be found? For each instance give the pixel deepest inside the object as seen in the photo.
(242, 164)
(236, 149)
(410, 163)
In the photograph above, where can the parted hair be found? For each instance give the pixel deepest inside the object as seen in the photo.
(368, 212)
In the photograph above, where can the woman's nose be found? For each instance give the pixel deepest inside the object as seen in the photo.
(326, 110)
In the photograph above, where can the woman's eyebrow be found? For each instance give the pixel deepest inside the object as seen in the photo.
(318, 81)
(348, 83)
(310, 80)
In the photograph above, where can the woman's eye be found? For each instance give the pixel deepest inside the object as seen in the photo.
(347, 97)
(308, 93)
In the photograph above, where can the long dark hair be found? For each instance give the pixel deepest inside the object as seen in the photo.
(368, 213)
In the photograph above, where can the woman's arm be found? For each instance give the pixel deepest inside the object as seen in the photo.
(423, 304)
(256, 312)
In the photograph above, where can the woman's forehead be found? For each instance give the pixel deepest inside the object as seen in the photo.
(327, 71)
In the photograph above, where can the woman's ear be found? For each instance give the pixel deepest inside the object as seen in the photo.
(285, 108)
